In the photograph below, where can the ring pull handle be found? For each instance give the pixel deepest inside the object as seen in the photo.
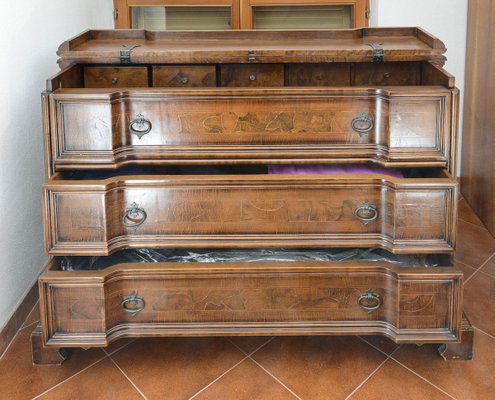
(132, 304)
(252, 77)
(184, 79)
(133, 216)
(369, 301)
(140, 126)
(362, 124)
(366, 212)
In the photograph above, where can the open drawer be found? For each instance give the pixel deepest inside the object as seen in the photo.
(407, 118)
(87, 308)
(90, 214)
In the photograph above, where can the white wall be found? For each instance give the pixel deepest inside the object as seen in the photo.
(30, 32)
(446, 19)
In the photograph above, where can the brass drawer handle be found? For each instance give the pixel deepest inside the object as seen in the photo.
(362, 124)
(133, 216)
(140, 126)
(366, 212)
(252, 77)
(369, 301)
(132, 304)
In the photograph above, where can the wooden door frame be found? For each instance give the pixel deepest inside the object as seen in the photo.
(359, 18)
(122, 9)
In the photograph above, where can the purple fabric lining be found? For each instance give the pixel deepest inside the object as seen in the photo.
(345, 169)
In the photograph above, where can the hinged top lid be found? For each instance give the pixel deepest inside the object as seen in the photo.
(356, 45)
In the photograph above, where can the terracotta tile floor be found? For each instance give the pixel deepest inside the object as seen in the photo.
(276, 368)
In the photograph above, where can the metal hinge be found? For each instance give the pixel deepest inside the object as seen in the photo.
(367, 12)
(125, 53)
(378, 53)
(116, 14)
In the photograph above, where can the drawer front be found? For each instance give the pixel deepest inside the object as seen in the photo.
(98, 217)
(407, 304)
(332, 74)
(387, 73)
(413, 127)
(118, 77)
(252, 75)
(184, 76)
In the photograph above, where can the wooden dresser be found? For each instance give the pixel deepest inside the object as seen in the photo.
(178, 143)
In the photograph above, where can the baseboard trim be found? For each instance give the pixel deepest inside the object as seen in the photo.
(18, 317)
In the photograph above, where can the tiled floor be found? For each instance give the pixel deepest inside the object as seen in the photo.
(277, 368)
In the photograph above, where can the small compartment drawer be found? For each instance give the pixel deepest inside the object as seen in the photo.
(252, 75)
(411, 126)
(97, 217)
(387, 73)
(117, 77)
(184, 76)
(332, 74)
(93, 308)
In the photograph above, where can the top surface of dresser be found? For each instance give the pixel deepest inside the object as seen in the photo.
(140, 46)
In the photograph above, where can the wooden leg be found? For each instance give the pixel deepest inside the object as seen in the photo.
(45, 355)
(462, 350)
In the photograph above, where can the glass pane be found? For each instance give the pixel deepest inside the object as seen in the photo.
(181, 18)
(302, 17)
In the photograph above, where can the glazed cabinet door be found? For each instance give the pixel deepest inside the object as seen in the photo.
(303, 14)
(99, 217)
(177, 14)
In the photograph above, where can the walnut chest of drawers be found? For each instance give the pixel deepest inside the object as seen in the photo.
(163, 140)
